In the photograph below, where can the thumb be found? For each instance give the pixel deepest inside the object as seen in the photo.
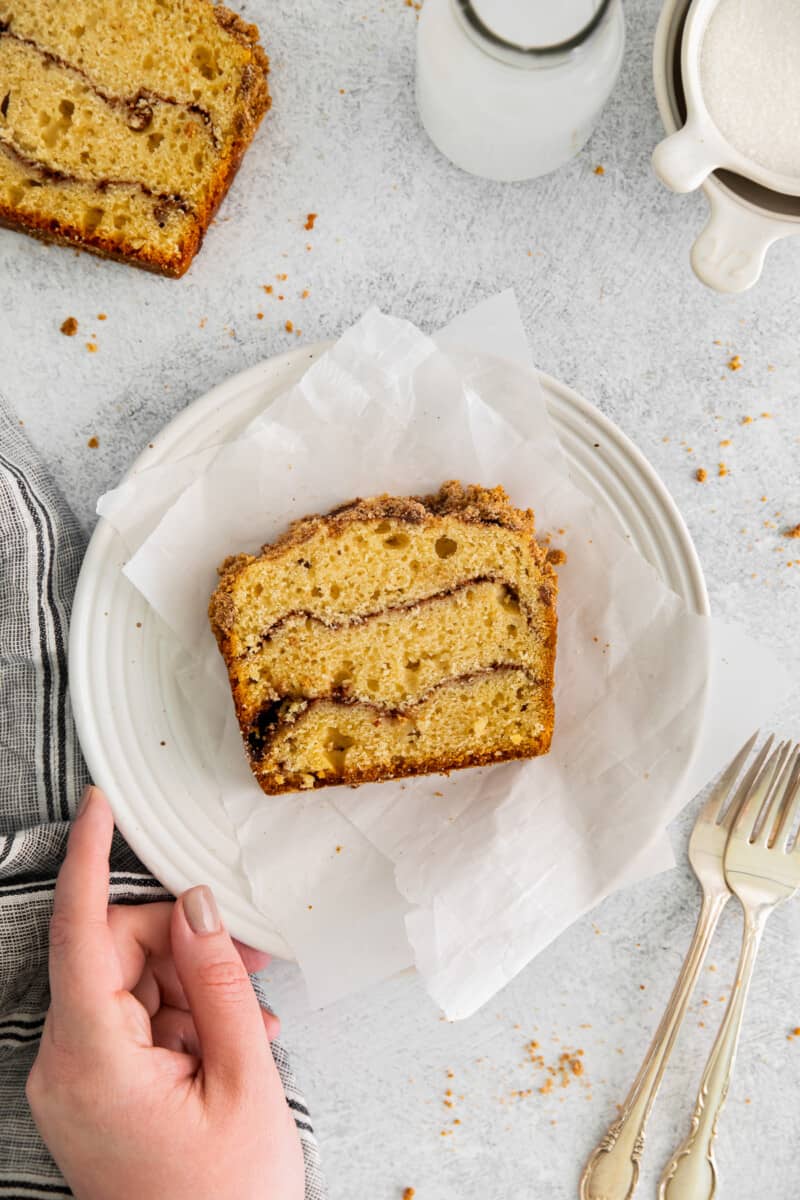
(226, 1012)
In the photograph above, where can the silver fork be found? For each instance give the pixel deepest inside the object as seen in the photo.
(762, 867)
(612, 1171)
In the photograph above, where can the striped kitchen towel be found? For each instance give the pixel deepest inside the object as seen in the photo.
(42, 775)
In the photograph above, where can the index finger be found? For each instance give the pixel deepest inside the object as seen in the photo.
(84, 970)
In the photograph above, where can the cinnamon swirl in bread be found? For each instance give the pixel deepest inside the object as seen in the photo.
(122, 122)
(394, 636)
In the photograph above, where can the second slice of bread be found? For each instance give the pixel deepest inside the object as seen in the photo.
(123, 122)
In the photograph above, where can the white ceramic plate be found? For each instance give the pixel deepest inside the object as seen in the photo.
(133, 723)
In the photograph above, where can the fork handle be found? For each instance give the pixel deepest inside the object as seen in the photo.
(612, 1171)
(691, 1173)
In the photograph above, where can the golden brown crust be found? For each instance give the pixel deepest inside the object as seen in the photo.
(58, 233)
(472, 504)
(242, 30)
(431, 766)
(256, 101)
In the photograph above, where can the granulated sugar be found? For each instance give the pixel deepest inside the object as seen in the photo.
(750, 77)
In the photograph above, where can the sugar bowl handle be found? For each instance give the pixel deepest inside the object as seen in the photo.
(684, 159)
(728, 255)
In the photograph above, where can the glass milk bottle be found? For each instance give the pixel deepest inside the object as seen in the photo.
(511, 89)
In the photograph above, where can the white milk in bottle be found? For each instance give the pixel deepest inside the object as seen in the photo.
(511, 89)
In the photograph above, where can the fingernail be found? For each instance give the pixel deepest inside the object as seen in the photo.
(85, 798)
(201, 910)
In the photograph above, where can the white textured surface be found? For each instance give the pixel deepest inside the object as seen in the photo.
(612, 309)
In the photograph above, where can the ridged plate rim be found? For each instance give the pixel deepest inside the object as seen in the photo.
(127, 708)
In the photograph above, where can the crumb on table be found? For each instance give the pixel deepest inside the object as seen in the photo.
(289, 327)
(93, 443)
(722, 471)
(310, 220)
(735, 363)
(556, 558)
(69, 327)
(701, 474)
(794, 532)
(409, 1194)
(599, 170)
(568, 1066)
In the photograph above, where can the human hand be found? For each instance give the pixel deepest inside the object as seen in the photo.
(154, 1078)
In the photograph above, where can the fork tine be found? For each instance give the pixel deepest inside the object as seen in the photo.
(774, 807)
(722, 789)
(746, 821)
(790, 814)
(732, 811)
(792, 809)
(791, 805)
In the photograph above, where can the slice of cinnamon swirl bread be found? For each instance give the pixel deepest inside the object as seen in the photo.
(122, 122)
(394, 636)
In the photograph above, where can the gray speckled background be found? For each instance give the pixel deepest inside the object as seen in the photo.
(600, 266)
